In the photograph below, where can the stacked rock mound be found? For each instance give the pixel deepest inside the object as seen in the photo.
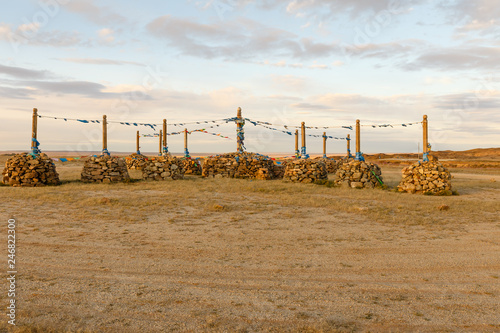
(305, 171)
(163, 168)
(27, 170)
(426, 177)
(239, 165)
(105, 169)
(191, 166)
(136, 161)
(358, 174)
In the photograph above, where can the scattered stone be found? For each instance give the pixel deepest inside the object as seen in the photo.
(358, 174)
(444, 207)
(104, 169)
(163, 168)
(239, 165)
(136, 161)
(305, 171)
(426, 177)
(27, 171)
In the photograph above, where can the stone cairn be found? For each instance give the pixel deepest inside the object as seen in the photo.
(163, 168)
(136, 161)
(426, 177)
(105, 169)
(239, 165)
(358, 174)
(305, 171)
(27, 170)
(191, 166)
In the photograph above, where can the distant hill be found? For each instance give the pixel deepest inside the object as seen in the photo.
(472, 154)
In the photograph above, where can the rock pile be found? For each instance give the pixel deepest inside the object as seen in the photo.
(238, 165)
(426, 177)
(163, 168)
(136, 161)
(191, 166)
(104, 169)
(26, 170)
(358, 174)
(305, 171)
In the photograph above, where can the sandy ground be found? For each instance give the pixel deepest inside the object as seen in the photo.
(229, 255)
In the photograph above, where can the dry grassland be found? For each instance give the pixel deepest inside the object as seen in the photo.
(229, 255)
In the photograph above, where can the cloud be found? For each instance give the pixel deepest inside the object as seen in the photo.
(240, 40)
(15, 93)
(90, 11)
(466, 57)
(23, 73)
(473, 15)
(468, 101)
(309, 106)
(101, 61)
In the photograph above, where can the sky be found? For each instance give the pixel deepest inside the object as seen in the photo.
(325, 63)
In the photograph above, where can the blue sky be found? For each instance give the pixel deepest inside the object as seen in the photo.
(327, 63)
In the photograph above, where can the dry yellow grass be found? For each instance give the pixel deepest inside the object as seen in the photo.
(224, 255)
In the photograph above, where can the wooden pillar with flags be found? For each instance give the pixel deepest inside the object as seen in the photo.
(161, 143)
(240, 134)
(324, 144)
(105, 135)
(137, 143)
(425, 126)
(297, 152)
(303, 148)
(349, 146)
(34, 131)
(186, 151)
(359, 154)
(165, 147)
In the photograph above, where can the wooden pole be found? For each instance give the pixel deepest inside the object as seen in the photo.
(186, 151)
(34, 130)
(161, 141)
(297, 152)
(426, 139)
(105, 135)
(359, 155)
(137, 143)
(303, 130)
(348, 145)
(165, 149)
(324, 144)
(239, 131)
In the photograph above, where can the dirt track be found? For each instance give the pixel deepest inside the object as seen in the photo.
(156, 257)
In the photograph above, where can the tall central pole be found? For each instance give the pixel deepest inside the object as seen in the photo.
(303, 130)
(324, 144)
(359, 154)
(240, 134)
(137, 144)
(34, 130)
(425, 125)
(105, 135)
(297, 152)
(186, 151)
(165, 148)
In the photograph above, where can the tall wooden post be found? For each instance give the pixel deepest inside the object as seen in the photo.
(186, 151)
(105, 135)
(297, 152)
(359, 154)
(240, 134)
(137, 143)
(426, 139)
(34, 130)
(324, 144)
(165, 148)
(349, 145)
(303, 131)
(161, 143)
